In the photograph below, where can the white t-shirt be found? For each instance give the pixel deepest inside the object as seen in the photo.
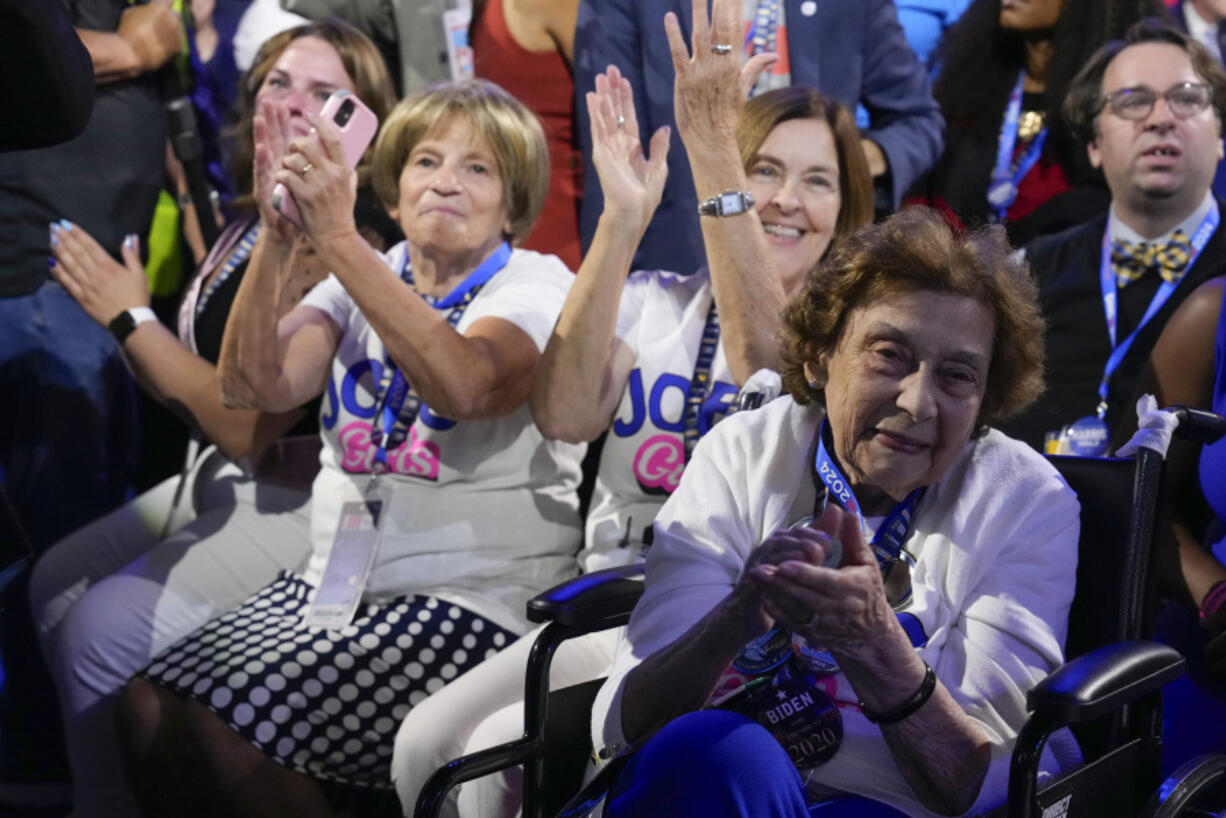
(660, 318)
(995, 543)
(483, 513)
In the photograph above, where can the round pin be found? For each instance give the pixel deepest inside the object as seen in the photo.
(1089, 436)
(816, 660)
(801, 718)
(765, 653)
(1001, 193)
(808, 8)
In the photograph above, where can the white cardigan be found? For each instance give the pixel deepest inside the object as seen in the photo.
(996, 548)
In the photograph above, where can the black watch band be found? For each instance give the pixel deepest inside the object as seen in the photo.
(126, 322)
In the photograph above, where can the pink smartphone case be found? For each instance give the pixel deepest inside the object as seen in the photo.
(356, 134)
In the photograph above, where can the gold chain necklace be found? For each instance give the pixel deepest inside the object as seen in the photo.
(1029, 125)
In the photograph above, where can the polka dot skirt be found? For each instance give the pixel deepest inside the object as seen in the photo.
(325, 703)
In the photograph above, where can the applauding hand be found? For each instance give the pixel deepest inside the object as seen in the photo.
(841, 608)
(103, 287)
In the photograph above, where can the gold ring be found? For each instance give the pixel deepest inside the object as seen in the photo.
(721, 48)
(306, 169)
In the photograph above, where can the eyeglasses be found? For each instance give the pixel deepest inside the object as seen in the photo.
(1185, 100)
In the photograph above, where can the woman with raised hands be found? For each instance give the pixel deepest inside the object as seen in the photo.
(628, 355)
(424, 356)
(116, 592)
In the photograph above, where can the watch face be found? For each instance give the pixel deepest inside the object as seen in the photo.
(730, 203)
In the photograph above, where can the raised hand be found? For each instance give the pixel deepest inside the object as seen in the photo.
(103, 287)
(272, 133)
(711, 84)
(631, 182)
(325, 194)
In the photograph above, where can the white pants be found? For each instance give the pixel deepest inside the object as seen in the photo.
(111, 596)
(481, 709)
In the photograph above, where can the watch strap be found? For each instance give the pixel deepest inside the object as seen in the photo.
(126, 322)
(728, 203)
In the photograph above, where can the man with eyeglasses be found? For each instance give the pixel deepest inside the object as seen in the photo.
(1149, 107)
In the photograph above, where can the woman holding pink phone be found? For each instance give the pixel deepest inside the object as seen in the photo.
(439, 508)
(115, 593)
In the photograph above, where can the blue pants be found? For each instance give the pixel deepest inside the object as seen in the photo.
(715, 763)
(68, 415)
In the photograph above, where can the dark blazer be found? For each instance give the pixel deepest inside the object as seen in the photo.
(46, 76)
(1066, 268)
(853, 50)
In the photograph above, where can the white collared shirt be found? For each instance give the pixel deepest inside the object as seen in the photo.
(1116, 229)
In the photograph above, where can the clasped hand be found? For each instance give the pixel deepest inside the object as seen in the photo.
(838, 608)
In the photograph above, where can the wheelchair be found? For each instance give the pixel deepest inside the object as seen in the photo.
(1108, 691)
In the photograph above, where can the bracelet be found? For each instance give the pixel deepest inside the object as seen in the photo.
(1214, 601)
(908, 707)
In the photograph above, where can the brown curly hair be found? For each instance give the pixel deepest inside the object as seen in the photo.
(916, 249)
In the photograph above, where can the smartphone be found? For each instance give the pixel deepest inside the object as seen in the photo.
(357, 125)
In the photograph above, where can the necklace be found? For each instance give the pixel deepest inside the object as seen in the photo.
(1029, 125)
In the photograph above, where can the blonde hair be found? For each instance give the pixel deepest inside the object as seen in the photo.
(512, 132)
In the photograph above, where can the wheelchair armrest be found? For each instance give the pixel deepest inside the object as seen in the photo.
(1100, 681)
(590, 598)
(1094, 684)
(1198, 425)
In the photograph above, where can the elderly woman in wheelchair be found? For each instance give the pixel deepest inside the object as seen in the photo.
(853, 588)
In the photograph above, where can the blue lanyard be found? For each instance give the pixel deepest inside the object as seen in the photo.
(892, 533)
(1110, 292)
(700, 381)
(1006, 179)
(400, 403)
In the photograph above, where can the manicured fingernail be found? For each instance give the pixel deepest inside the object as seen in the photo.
(129, 241)
(67, 225)
(50, 261)
(55, 234)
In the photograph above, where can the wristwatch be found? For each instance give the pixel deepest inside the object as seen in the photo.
(728, 203)
(123, 324)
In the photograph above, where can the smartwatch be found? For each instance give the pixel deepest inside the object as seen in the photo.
(728, 203)
(128, 320)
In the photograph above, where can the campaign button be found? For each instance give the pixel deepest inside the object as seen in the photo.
(765, 653)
